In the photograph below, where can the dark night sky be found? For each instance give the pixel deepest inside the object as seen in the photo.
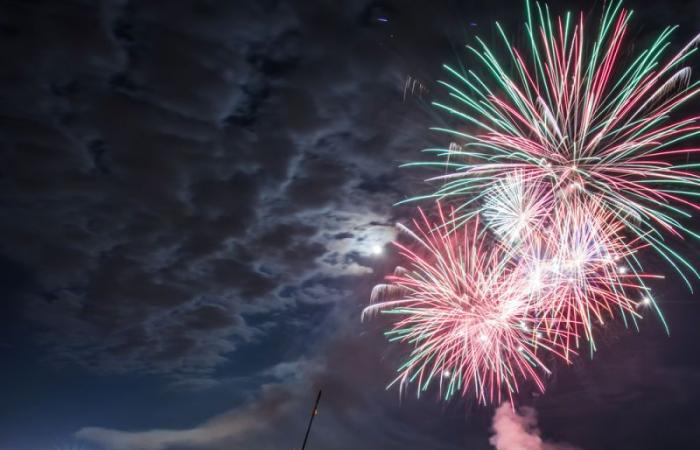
(190, 195)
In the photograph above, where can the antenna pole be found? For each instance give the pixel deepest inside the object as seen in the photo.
(314, 411)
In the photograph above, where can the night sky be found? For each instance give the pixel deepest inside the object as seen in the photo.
(196, 200)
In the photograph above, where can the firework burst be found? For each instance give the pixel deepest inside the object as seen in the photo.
(461, 304)
(580, 272)
(577, 114)
(515, 208)
(574, 166)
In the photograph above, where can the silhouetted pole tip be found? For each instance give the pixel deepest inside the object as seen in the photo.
(314, 412)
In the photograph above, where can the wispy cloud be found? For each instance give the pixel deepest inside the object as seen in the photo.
(229, 427)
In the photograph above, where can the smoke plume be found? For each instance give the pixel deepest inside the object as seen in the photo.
(517, 430)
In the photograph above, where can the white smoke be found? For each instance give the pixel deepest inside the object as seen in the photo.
(518, 431)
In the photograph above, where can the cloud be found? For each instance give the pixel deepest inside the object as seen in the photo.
(231, 426)
(517, 430)
(355, 411)
(173, 179)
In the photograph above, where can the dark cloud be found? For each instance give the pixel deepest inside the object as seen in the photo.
(351, 407)
(318, 182)
(208, 317)
(168, 172)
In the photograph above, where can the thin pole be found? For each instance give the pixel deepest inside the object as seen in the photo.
(311, 420)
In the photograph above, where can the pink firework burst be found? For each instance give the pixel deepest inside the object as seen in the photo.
(463, 306)
(582, 272)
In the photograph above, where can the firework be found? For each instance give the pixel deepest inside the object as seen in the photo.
(580, 272)
(578, 113)
(515, 208)
(462, 305)
(574, 166)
